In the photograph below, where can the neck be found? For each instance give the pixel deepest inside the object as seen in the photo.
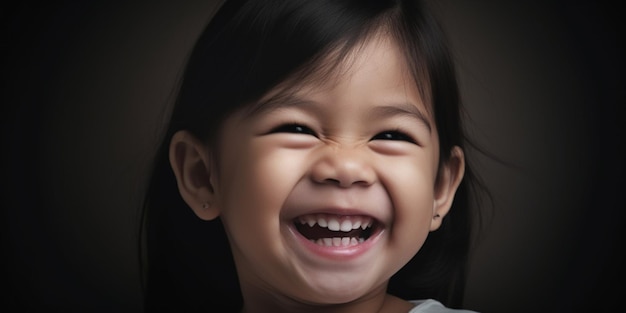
(259, 300)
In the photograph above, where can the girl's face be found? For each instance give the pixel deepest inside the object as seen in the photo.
(329, 191)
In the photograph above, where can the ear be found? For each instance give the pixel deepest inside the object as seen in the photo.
(191, 164)
(448, 180)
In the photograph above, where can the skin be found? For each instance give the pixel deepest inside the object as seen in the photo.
(360, 145)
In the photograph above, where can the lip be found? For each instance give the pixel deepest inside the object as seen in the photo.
(335, 253)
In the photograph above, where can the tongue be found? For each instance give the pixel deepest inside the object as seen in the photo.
(316, 232)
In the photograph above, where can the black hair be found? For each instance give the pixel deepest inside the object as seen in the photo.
(247, 49)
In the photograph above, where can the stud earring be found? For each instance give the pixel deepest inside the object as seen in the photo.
(206, 205)
(437, 216)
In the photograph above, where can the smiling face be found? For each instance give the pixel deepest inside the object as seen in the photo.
(328, 190)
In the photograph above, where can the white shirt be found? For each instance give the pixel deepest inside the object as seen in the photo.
(434, 306)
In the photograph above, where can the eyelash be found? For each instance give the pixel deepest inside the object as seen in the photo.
(295, 128)
(394, 135)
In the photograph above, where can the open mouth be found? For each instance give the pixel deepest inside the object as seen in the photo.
(336, 230)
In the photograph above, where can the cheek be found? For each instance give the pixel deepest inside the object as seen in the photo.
(411, 188)
(255, 184)
(260, 177)
(255, 181)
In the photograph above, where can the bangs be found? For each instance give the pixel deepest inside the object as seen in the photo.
(335, 62)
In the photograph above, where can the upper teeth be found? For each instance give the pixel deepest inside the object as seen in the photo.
(337, 223)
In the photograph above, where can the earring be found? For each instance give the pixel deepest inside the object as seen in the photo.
(206, 205)
(437, 216)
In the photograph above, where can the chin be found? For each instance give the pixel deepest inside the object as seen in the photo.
(335, 293)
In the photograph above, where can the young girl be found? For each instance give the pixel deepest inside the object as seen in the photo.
(320, 147)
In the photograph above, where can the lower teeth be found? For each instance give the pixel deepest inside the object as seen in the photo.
(338, 241)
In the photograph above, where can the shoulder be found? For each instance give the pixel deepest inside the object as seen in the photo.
(434, 306)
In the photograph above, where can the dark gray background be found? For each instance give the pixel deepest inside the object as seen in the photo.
(85, 89)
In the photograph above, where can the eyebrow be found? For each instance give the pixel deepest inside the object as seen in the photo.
(279, 101)
(402, 109)
(385, 111)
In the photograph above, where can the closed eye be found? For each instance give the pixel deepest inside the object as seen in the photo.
(395, 135)
(294, 128)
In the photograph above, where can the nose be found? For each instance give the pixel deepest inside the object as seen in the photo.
(344, 167)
